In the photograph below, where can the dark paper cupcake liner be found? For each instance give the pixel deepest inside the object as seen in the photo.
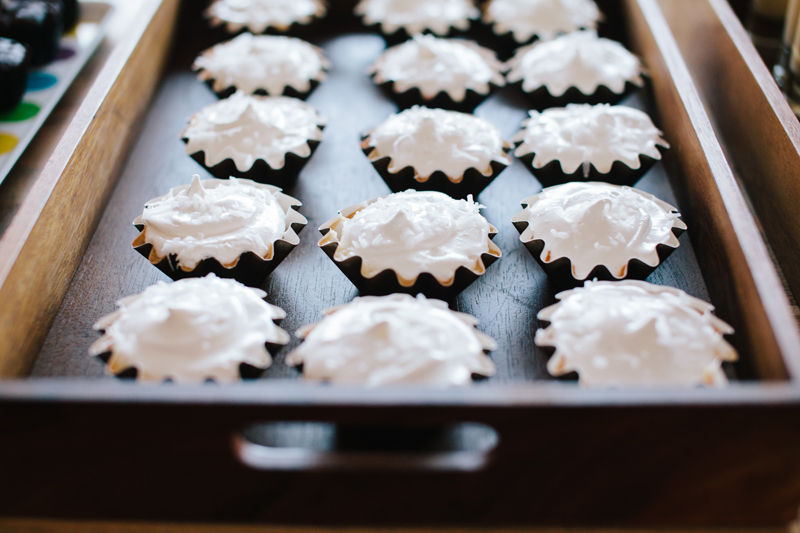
(473, 181)
(250, 269)
(505, 45)
(442, 100)
(560, 270)
(287, 91)
(541, 99)
(246, 371)
(620, 173)
(260, 172)
(401, 35)
(301, 31)
(388, 282)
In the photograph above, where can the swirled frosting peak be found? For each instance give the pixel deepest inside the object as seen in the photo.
(434, 139)
(217, 218)
(258, 15)
(546, 19)
(245, 128)
(414, 232)
(595, 224)
(583, 135)
(580, 59)
(633, 333)
(262, 63)
(435, 65)
(190, 331)
(396, 339)
(417, 16)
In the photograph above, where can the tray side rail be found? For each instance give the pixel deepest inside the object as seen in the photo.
(741, 279)
(679, 465)
(44, 243)
(758, 130)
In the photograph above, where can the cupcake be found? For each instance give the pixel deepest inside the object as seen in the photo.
(411, 242)
(13, 73)
(35, 23)
(581, 142)
(400, 19)
(262, 64)
(265, 16)
(519, 22)
(191, 331)
(633, 333)
(579, 68)
(233, 228)
(580, 231)
(392, 340)
(447, 73)
(268, 139)
(437, 150)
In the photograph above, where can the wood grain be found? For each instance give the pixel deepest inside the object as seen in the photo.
(51, 526)
(42, 246)
(731, 245)
(760, 135)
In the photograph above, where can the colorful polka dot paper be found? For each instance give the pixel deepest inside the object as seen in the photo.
(47, 85)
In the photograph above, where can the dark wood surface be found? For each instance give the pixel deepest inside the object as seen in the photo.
(51, 526)
(107, 448)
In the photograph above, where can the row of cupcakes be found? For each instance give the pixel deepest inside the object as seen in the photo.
(270, 139)
(457, 74)
(410, 241)
(516, 21)
(629, 333)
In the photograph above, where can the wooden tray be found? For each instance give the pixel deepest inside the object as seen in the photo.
(518, 448)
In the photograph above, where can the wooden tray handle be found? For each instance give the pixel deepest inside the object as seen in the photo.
(370, 458)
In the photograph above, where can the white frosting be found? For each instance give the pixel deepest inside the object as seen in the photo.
(627, 333)
(434, 139)
(246, 128)
(526, 19)
(580, 59)
(396, 339)
(269, 63)
(583, 135)
(217, 218)
(414, 232)
(596, 223)
(13, 51)
(434, 65)
(417, 16)
(190, 330)
(258, 15)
